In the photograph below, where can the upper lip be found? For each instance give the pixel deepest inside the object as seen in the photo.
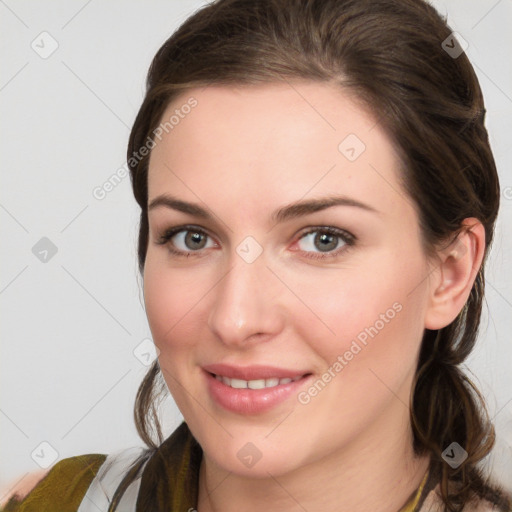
(254, 372)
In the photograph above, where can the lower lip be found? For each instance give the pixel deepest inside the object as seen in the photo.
(251, 401)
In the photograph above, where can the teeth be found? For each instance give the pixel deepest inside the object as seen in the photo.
(238, 383)
(255, 384)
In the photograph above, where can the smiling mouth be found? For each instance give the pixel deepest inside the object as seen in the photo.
(256, 389)
(255, 384)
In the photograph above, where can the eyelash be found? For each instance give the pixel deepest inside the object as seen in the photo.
(347, 238)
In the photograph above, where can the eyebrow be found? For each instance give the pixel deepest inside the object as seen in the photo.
(290, 211)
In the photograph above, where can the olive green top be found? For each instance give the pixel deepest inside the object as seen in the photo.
(63, 488)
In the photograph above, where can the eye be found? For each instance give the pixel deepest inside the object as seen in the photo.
(325, 242)
(185, 240)
(317, 243)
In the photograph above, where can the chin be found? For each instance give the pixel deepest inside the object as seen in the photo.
(249, 451)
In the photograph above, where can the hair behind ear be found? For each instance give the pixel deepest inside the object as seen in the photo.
(447, 407)
(152, 390)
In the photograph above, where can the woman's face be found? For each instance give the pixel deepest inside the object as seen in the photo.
(298, 257)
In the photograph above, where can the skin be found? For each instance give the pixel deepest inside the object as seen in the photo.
(21, 486)
(243, 153)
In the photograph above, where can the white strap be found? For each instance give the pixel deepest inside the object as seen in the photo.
(99, 494)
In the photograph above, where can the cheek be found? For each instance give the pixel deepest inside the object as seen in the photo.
(169, 298)
(171, 302)
(381, 308)
(367, 365)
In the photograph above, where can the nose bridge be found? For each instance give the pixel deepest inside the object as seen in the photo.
(245, 302)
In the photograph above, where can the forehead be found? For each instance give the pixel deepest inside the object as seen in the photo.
(272, 143)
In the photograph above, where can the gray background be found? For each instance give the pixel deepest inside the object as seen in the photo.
(70, 324)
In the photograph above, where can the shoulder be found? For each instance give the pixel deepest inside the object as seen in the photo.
(63, 487)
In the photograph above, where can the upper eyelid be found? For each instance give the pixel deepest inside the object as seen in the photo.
(179, 229)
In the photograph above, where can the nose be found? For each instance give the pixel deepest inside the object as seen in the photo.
(246, 306)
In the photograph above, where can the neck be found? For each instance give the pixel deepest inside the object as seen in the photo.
(377, 473)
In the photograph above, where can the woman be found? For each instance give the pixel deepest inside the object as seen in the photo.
(318, 198)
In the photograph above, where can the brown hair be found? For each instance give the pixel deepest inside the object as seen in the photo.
(388, 53)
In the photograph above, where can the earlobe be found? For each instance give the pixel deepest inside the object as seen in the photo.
(456, 271)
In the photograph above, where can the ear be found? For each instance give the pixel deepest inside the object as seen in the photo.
(454, 275)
